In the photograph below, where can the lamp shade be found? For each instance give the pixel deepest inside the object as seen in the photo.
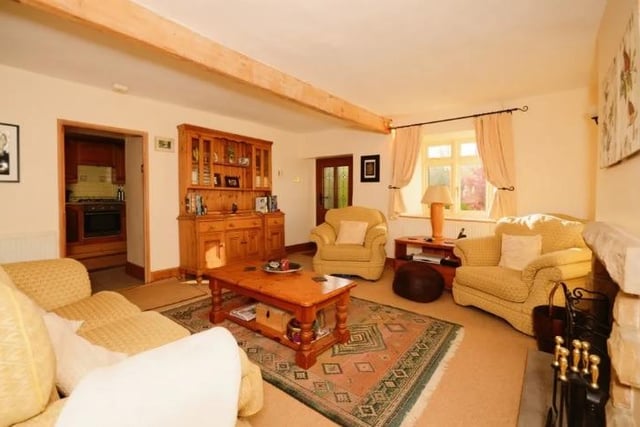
(437, 194)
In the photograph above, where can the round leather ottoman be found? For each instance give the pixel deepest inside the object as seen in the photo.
(417, 281)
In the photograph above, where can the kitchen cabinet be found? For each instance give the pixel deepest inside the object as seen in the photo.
(118, 164)
(220, 176)
(94, 151)
(71, 161)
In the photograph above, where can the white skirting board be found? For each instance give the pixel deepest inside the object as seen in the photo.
(28, 246)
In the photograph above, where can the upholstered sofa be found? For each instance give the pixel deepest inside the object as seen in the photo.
(351, 241)
(487, 281)
(31, 291)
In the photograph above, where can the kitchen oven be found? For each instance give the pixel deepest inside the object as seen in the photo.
(93, 220)
(102, 220)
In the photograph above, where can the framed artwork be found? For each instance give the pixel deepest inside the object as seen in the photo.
(9, 152)
(217, 181)
(262, 204)
(370, 168)
(232, 181)
(618, 119)
(165, 144)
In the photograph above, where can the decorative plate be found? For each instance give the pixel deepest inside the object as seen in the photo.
(293, 267)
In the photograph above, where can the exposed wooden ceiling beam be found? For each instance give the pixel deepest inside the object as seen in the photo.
(134, 22)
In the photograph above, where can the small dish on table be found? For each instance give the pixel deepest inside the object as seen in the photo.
(273, 268)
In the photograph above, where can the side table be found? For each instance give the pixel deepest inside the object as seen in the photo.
(441, 249)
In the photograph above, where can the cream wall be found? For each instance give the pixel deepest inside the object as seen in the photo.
(617, 194)
(555, 151)
(554, 146)
(35, 103)
(553, 155)
(134, 196)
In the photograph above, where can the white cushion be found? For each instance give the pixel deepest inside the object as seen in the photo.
(75, 356)
(194, 381)
(352, 232)
(518, 251)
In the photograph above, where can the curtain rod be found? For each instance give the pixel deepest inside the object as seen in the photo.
(524, 109)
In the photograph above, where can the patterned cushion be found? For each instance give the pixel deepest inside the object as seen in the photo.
(497, 281)
(557, 233)
(137, 333)
(27, 362)
(46, 418)
(99, 309)
(344, 252)
(4, 278)
(354, 213)
(51, 283)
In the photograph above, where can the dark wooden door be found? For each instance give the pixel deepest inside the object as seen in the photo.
(334, 184)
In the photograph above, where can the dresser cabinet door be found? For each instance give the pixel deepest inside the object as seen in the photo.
(235, 246)
(253, 243)
(212, 251)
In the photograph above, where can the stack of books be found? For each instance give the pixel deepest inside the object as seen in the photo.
(246, 312)
(431, 259)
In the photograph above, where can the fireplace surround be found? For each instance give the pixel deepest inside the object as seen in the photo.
(616, 272)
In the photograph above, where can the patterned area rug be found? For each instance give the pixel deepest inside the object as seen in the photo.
(382, 377)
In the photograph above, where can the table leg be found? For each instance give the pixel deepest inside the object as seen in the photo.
(216, 315)
(305, 356)
(341, 332)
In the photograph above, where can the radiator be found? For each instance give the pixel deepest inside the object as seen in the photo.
(28, 246)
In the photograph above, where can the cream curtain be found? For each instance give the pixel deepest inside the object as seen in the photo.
(406, 144)
(494, 136)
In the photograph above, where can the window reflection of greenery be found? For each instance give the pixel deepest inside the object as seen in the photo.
(452, 159)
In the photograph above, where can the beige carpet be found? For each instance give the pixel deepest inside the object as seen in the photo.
(162, 293)
(480, 387)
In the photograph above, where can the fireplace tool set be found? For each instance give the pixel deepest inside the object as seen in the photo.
(581, 365)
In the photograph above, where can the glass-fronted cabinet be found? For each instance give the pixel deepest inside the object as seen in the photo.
(223, 179)
(200, 152)
(220, 172)
(262, 166)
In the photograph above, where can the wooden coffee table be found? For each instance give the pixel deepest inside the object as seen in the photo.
(297, 293)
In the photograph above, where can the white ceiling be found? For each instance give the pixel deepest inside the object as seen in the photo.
(401, 59)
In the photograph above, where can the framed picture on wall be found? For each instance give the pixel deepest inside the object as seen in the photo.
(370, 168)
(9, 153)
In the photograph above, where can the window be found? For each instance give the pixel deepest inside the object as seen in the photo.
(452, 159)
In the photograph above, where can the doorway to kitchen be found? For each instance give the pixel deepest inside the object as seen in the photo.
(103, 201)
(334, 184)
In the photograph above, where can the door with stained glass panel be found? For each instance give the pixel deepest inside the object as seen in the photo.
(334, 184)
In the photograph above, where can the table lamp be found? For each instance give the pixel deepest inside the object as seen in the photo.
(437, 196)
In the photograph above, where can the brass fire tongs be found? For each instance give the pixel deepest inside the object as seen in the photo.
(583, 364)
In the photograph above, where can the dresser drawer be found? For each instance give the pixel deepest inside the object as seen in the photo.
(275, 221)
(233, 224)
(207, 226)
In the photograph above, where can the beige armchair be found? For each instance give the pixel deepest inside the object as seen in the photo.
(512, 293)
(351, 241)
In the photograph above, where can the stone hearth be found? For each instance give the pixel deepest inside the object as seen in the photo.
(616, 262)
